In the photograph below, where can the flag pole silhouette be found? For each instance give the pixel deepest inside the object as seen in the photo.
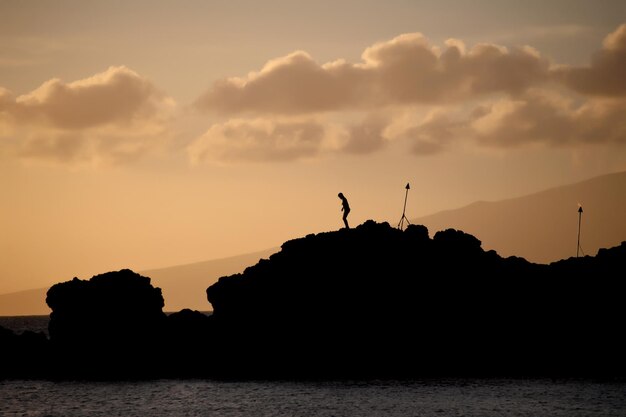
(580, 213)
(403, 218)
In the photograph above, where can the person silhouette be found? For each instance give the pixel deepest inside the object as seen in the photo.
(345, 207)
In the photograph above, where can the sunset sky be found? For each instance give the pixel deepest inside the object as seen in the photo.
(144, 134)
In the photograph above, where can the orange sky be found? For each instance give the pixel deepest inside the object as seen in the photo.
(145, 134)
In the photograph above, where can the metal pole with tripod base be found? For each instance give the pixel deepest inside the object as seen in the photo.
(580, 214)
(403, 218)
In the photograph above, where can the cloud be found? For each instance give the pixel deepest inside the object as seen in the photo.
(433, 133)
(66, 148)
(403, 70)
(288, 139)
(487, 95)
(605, 75)
(91, 148)
(117, 95)
(259, 140)
(114, 115)
(367, 136)
(296, 108)
(552, 120)
(591, 113)
(538, 118)
(289, 85)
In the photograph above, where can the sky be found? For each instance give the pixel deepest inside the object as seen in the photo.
(145, 134)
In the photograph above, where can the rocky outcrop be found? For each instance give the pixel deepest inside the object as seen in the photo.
(111, 324)
(23, 355)
(368, 302)
(187, 344)
(377, 301)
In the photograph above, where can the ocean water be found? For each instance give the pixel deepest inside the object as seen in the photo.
(197, 397)
(34, 323)
(20, 323)
(439, 397)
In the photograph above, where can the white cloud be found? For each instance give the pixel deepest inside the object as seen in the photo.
(110, 117)
(259, 140)
(605, 75)
(536, 118)
(404, 70)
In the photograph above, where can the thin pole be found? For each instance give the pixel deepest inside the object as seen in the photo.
(406, 194)
(580, 213)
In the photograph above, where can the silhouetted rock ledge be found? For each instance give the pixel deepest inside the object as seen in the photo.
(368, 302)
(376, 301)
(111, 324)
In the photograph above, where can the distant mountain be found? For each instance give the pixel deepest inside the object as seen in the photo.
(184, 286)
(540, 227)
(543, 227)
(24, 303)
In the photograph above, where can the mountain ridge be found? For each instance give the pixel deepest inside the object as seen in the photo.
(542, 226)
(601, 228)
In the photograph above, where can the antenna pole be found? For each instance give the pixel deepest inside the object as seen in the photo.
(580, 213)
(403, 218)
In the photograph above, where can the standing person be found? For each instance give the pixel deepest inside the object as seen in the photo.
(345, 207)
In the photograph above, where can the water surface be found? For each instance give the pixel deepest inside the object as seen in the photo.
(442, 398)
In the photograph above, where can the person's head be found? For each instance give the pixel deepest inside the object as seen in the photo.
(340, 195)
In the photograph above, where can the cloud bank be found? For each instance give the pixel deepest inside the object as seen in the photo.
(109, 117)
(403, 91)
(605, 75)
(258, 140)
(404, 70)
(488, 94)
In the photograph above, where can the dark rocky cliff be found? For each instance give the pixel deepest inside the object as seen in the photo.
(377, 301)
(368, 302)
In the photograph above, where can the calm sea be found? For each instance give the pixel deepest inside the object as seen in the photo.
(20, 323)
(441, 398)
(432, 397)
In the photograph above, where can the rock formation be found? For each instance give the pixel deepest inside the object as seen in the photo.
(368, 302)
(111, 324)
(377, 301)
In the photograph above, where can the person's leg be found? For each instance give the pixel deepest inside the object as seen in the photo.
(345, 219)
